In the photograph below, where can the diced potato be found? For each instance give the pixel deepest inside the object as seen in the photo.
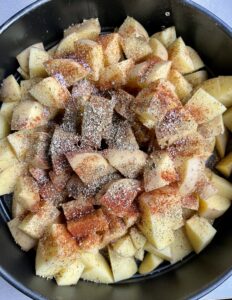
(176, 125)
(159, 171)
(9, 177)
(88, 29)
(225, 83)
(181, 246)
(51, 93)
(204, 107)
(199, 232)
(128, 163)
(197, 61)
(149, 263)
(91, 54)
(70, 70)
(39, 151)
(96, 269)
(115, 75)
(137, 238)
(52, 51)
(23, 73)
(136, 48)
(131, 27)
(224, 187)
(205, 188)
(26, 85)
(22, 239)
(151, 107)
(197, 77)
(7, 109)
(212, 128)
(122, 267)
(26, 193)
(158, 48)
(178, 54)
(139, 254)
(89, 167)
(7, 156)
(23, 57)
(17, 209)
(4, 127)
(71, 274)
(227, 118)
(162, 253)
(56, 251)
(212, 86)
(10, 90)
(225, 165)
(124, 246)
(190, 173)
(183, 87)
(214, 207)
(37, 58)
(20, 142)
(35, 224)
(221, 142)
(166, 36)
(111, 48)
(28, 114)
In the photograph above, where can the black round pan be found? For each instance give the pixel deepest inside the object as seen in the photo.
(45, 20)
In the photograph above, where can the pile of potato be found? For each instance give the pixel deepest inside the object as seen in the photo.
(105, 144)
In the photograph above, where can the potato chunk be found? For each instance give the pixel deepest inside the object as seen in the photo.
(122, 267)
(166, 36)
(227, 119)
(149, 263)
(10, 90)
(37, 58)
(131, 27)
(137, 238)
(51, 93)
(204, 107)
(200, 233)
(4, 127)
(22, 239)
(212, 128)
(111, 48)
(223, 186)
(7, 156)
(181, 246)
(225, 165)
(197, 77)
(183, 87)
(20, 142)
(164, 253)
(124, 246)
(214, 206)
(221, 142)
(179, 55)
(197, 61)
(136, 48)
(71, 274)
(70, 70)
(7, 109)
(158, 48)
(88, 29)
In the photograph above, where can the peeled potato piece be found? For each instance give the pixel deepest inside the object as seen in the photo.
(197, 77)
(164, 253)
(158, 48)
(10, 90)
(4, 127)
(167, 36)
(131, 27)
(225, 165)
(7, 109)
(137, 238)
(71, 274)
(124, 247)
(214, 207)
(221, 142)
(197, 61)
(183, 87)
(7, 156)
(149, 263)
(88, 29)
(224, 187)
(37, 58)
(227, 118)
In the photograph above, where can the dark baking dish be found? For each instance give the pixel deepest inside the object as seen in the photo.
(44, 20)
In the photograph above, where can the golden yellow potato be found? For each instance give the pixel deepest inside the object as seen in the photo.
(4, 127)
(7, 156)
(227, 118)
(23, 73)
(225, 165)
(10, 90)
(17, 209)
(166, 36)
(26, 85)
(214, 206)
(223, 186)
(212, 128)
(7, 109)
(149, 263)
(136, 48)
(183, 87)
(137, 238)
(124, 246)
(139, 254)
(20, 142)
(197, 61)
(132, 28)
(197, 77)
(88, 29)
(37, 58)
(71, 274)
(158, 48)
(111, 48)
(162, 253)
(221, 142)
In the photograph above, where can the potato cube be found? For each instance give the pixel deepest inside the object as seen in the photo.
(179, 55)
(111, 48)
(136, 48)
(158, 48)
(20, 142)
(151, 107)
(35, 224)
(22, 73)
(164, 253)
(70, 70)
(166, 36)
(4, 127)
(150, 263)
(131, 27)
(7, 109)
(90, 53)
(28, 114)
(22, 239)
(225, 96)
(96, 269)
(124, 246)
(137, 238)
(159, 171)
(214, 207)
(51, 93)
(39, 175)
(225, 165)
(223, 186)
(197, 61)
(37, 58)
(88, 29)
(190, 201)
(181, 246)
(71, 274)
(205, 188)
(23, 57)
(10, 90)
(56, 251)
(212, 128)
(7, 156)
(176, 124)
(183, 87)
(124, 101)
(77, 208)
(139, 254)
(115, 75)
(197, 77)
(39, 157)
(199, 232)
(221, 142)
(128, 163)
(204, 107)
(17, 209)
(26, 85)
(227, 119)
(122, 267)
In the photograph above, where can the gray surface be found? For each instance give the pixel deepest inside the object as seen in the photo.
(222, 9)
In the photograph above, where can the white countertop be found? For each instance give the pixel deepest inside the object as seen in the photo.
(222, 9)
